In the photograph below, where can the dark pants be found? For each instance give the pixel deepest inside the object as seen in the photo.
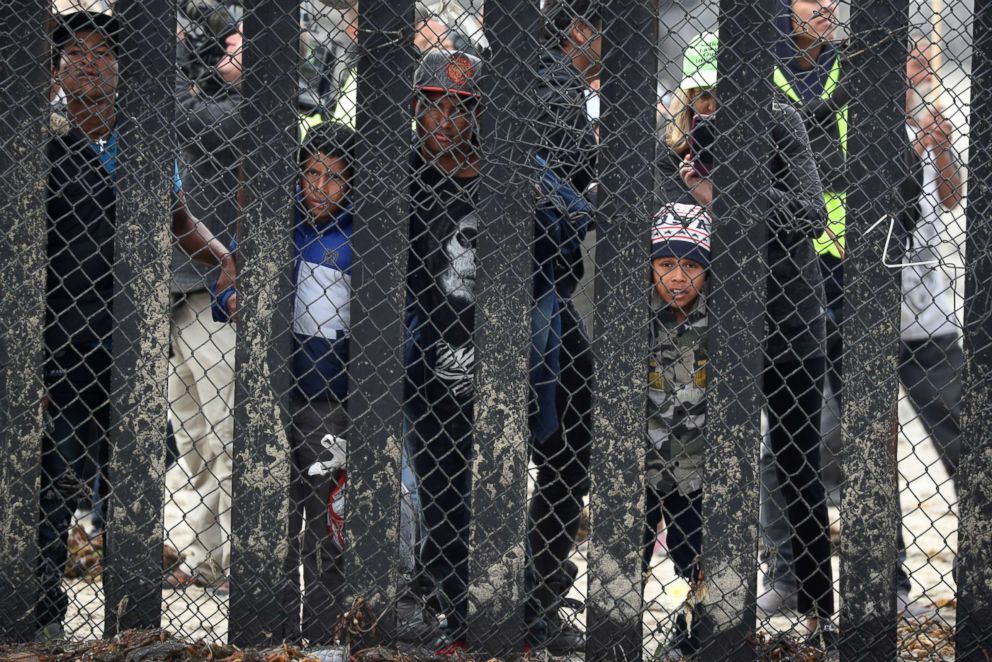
(562, 460)
(310, 541)
(683, 529)
(930, 371)
(440, 449)
(794, 396)
(77, 380)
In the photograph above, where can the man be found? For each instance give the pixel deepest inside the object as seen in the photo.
(809, 76)
(442, 274)
(201, 379)
(79, 322)
(931, 357)
(570, 68)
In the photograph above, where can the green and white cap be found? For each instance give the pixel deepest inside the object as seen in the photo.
(699, 62)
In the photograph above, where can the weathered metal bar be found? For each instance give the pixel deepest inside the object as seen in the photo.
(385, 75)
(627, 201)
(143, 243)
(260, 504)
(737, 329)
(974, 575)
(503, 332)
(878, 163)
(25, 80)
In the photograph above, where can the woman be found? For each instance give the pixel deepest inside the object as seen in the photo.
(794, 360)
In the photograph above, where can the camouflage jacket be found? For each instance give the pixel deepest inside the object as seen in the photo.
(676, 407)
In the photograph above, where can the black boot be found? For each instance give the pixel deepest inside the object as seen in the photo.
(560, 635)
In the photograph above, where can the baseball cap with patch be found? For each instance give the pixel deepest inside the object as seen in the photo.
(682, 231)
(451, 72)
(699, 62)
(72, 16)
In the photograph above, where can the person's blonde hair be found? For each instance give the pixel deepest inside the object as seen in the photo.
(681, 112)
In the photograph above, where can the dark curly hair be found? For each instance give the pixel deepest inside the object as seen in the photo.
(330, 138)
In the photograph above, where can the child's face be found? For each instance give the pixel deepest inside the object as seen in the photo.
(678, 281)
(324, 182)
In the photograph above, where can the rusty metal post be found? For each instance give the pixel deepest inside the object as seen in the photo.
(139, 375)
(878, 162)
(619, 343)
(24, 62)
(260, 504)
(974, 574)
(503, 323)
(385, 76)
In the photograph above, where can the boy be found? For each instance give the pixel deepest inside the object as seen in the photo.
(680, 256)
(321, 320)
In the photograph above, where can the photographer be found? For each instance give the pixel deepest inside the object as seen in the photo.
(794, 359)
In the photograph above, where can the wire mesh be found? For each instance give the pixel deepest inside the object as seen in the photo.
(326, 324)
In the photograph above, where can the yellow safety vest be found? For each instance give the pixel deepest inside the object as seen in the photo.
(831, 242)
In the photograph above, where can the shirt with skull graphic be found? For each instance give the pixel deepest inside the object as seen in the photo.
(441, 284)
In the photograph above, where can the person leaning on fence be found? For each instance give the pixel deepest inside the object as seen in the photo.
(81, 204)
(676, 407)
(570, 64)
(792, 380)
(201, 376)
(441, 285)
(812, 78)
(318, 406)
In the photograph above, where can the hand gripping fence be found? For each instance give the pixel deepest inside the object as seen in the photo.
(478, 329)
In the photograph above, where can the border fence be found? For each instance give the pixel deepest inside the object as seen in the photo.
(553, 133)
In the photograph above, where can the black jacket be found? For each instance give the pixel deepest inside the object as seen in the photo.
(796, 214)
(209, 127)
(566, 137)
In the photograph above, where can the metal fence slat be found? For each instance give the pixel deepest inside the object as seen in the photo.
(503, 333)
(385, 75)
(869, 510)
(261, 473)
(736, 310)
(143, 241)
(23, 131)
(626, 183)
(974, 574)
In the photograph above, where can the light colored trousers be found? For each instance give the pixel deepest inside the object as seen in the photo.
(201, 396)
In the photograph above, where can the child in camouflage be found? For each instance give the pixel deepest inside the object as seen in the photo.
(676, 409)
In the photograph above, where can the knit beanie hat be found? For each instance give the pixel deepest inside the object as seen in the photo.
(682, 231)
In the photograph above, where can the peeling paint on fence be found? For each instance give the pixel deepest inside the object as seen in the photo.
(627, 206)
(871, 336)
(736, 310)
(23, 121)
(974, 572)
(503, 332)
(261, 473)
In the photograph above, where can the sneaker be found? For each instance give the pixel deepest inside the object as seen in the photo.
(908, 608)
(563, 636)
(779, 597)
(826, 640)
(50, 633)
(415, 622)
(452, 649)
(681, 645)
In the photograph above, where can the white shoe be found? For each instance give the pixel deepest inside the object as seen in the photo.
(908, 608)
(778, 598)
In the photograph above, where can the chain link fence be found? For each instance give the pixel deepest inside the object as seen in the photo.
(642, 329)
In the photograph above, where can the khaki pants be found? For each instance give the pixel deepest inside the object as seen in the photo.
(201, 395)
